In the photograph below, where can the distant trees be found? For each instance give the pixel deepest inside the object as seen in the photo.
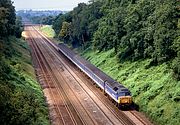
(136, 29)
(39, 16)
(47, 20)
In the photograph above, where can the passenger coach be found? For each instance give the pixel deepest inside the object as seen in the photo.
(115, 90)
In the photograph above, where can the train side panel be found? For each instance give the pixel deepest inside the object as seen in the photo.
(97, 76)
(89, 73)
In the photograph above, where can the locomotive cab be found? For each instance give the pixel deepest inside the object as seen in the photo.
(125, 98)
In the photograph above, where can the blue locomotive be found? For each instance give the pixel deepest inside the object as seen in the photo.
(115, 90)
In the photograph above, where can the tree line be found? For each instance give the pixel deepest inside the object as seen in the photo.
(136, 29)
(46, 20)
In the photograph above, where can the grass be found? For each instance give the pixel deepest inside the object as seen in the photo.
(50, 33)
(153, 89)
(47, 29)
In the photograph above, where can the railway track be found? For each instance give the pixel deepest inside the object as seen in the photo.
(69, 74)
(116, 113)
(86, 104)
(121, 115)
(46, 76)
(136, 118)
(69, 93)
(52, 61)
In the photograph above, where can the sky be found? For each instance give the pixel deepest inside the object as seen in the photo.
(64, 5)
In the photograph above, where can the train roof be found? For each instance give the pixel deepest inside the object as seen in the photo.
(67, 50)
(117, 87)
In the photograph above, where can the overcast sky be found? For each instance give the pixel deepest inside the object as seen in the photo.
(47, 4)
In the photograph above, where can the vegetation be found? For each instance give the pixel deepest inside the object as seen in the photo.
(137, 39)
(21, 98)
(81, 24)
(47, 29)
(18, 27)
(136, 29)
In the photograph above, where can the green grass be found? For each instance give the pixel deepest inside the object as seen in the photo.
(154, 89)
(47, 29)
(21, 97)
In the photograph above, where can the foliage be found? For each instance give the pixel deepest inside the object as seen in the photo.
(57, 24)
(83, 20)
(176, 62)
(7, 18)
(18, 27)
(136, 29)
(65, 32)
(144, 29)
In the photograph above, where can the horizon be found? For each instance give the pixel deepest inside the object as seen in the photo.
(63, 5)
(41, 10)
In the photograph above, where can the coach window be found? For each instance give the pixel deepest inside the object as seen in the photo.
(115, 88)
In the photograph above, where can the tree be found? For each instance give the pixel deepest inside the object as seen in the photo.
(65, 32)
(136, 29)
(83, 21)
(7, 18)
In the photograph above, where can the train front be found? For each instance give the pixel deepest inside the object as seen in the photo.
(124, 98)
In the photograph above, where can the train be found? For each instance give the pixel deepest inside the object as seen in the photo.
(116, 91)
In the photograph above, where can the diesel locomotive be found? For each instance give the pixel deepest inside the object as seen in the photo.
(120, 94)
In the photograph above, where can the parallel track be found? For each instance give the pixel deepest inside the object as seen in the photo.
(64, 88)
(79, 84)
(119, 114)
(77, 77)
(48, 77)
(48, 60)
